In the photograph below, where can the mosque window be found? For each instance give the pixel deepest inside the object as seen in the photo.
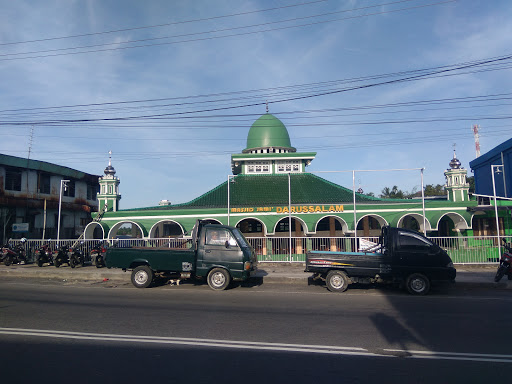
(258, 167)
(288, 166)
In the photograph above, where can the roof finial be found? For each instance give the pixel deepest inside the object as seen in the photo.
(267, 106)
(110, 158)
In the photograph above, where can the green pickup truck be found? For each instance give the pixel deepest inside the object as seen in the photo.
(218, 252)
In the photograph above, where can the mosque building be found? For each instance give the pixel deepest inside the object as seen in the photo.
(270, 195)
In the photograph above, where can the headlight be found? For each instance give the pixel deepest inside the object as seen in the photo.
(449, 265)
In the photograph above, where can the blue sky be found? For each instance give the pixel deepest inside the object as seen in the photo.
(175, 105)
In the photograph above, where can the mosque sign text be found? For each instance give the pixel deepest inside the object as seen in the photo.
(293, 209)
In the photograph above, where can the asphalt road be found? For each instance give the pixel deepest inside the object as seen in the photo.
(105, 333)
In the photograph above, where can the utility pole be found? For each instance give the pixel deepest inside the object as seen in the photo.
(477, 139)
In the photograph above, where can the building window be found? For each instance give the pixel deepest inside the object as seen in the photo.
(44, 183)
(12, 179)
(258, 167)
(69, 191)
(92, 191)
(292, 166)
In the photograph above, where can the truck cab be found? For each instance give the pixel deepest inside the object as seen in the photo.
(222, 247)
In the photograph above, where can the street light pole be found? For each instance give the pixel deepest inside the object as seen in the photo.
(62, 182)
(496, 168)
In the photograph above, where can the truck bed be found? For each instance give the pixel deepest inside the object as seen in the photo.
(354, 263)
(160, 259)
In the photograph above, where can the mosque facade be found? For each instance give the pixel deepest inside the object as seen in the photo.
(270, 194)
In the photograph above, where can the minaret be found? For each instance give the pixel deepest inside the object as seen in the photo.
(109, 188)
(456, 186)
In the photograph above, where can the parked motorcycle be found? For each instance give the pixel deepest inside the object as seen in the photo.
(76, 257)
(14, 254)
(44, 254)
(98, 254)
(61, 256)
(505, 267)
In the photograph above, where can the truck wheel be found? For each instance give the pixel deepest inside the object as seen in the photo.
(417, 284)
(337, 281)
(142, 276)
(219, 279)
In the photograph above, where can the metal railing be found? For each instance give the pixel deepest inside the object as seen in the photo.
(462, 250)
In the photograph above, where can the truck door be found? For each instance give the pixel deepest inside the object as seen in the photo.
(221, 249)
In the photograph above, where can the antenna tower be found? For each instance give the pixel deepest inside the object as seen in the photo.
(477, 139)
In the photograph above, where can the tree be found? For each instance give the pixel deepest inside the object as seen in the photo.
(434, 190)
(471, 182)
(393, 193)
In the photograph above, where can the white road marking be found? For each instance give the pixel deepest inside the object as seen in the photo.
(253, 345)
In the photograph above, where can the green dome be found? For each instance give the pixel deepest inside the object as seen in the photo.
(268, 132)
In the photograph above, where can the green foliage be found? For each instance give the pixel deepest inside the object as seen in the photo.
(434, 190)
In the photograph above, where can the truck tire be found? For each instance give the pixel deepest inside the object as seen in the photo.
(219, 279)
(337, 281)
(417, 284)
(142, 276)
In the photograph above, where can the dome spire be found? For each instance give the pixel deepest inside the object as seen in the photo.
(455, 163)
(110, 169)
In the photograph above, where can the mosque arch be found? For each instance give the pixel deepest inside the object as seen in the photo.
(166, 228)
(329, 232)
(451, 222)
(281, 242)
(325, 226)
(127, 229)
(282, 227)
(413, 221)
(95, 230)
(370, 225)
(252, 227)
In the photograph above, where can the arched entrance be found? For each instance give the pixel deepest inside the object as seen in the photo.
(166, 229)
(126, 230)
(281, 243)
(370, 226)
(94, 230)
(254, 231)
(413, 221)
(330, 230)
(450, 223)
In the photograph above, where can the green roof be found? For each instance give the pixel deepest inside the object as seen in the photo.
(269, 190)
(268, 131)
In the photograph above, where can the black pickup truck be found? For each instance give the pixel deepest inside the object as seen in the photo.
(401, 256)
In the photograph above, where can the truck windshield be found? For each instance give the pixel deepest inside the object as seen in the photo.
(242, 242)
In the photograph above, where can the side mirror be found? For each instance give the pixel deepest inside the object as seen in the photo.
(226, 244)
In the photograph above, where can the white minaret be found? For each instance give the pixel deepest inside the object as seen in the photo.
(456, 186)
(109, 188)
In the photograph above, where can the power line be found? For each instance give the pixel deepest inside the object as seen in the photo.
(162, 25)
(422, 75)
(205, 38)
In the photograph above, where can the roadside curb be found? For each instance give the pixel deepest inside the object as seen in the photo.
(272, 274)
